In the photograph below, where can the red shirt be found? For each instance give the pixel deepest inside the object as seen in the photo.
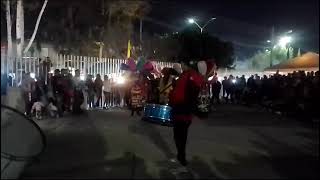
(184, 94)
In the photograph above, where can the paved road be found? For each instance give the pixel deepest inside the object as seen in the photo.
(233, 142)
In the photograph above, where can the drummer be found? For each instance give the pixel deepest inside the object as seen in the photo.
(165, 86)
(183, 100)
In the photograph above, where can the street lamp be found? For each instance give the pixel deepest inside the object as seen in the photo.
(192, 21)
(283, 41)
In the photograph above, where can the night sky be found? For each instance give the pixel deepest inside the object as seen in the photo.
(247, 23)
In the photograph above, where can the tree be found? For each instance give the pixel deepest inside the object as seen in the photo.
(19, 28)
(9, 26)
(192, 45)
(120, 17)
(36, 27)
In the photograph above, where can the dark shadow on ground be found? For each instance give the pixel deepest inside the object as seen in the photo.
(202, 169)
(66, 149)
(238, 115)
(148, 129)
(283, 160)
(129, 166)
(198, 169)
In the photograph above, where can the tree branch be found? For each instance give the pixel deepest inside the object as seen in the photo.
(36, 27)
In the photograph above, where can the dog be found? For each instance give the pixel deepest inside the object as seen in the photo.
(37, 107)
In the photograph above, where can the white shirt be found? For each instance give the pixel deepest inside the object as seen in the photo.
(27, 84)
(37, 106)
(107, 86)
(52, 107)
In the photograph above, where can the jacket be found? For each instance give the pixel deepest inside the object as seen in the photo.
(184, 95)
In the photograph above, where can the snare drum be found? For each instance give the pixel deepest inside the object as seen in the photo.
(159, 114)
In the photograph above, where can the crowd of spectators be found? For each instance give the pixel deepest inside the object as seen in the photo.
(296, 93)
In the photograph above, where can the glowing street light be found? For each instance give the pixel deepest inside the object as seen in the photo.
(192, 21)
(283, 41)
(268, 41)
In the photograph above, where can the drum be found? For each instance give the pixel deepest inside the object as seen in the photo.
(159, 114)
(21, 141)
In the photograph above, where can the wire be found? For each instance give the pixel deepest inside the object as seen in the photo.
(43, 138)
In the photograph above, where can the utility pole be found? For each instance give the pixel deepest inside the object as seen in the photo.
(272, 45)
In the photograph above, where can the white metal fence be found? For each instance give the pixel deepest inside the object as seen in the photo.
(87, 65)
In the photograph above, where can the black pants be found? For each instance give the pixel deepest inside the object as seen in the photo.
(180, 131)
(99, 98)
(29, 99)
(215, 96)
(107, 98)
(137, 110)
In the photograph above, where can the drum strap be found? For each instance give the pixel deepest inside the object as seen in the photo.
(164, 89)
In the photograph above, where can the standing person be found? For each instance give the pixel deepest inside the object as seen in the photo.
(136, 98)
(230, 88)
(78, 95)
(90, 90)
(183, 100)
(28, 88)
(225, 86)
(57, 89)
(106, 91)
(216, 88)
(98, 89)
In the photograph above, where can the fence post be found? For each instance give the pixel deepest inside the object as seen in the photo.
(64, 61)
(90, 65)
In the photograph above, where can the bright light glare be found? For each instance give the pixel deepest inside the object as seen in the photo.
(267, 50)
(191, 21)
(120, 80)
(268, 41)
(284, 41)
(13, 75)
(233, 81)
(220, 78)
(33, 75)
(82, 77)
(210, 78)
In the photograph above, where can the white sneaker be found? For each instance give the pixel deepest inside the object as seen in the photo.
(174, 160)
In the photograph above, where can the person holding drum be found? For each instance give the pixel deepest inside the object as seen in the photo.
(183, 100)
(136, 98)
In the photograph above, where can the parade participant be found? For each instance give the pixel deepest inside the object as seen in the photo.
(98, 89)
(165, 86)
(106, 91)
(136, 98)
(78, 95)
(183, 100)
